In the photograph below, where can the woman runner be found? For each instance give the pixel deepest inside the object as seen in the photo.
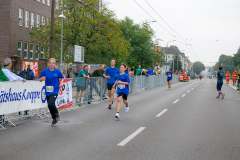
(51, 77)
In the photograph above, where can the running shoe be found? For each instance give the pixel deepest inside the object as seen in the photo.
(127, 108)
(109, 107)
(218, 97)
(117, 115)
(77, 103)
(54, 122)
(223, 95)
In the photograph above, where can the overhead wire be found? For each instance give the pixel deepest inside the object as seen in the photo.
(165, 21)
(157, 21)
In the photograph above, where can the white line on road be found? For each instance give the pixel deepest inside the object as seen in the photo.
(129, 138)
(192, 88)
(188, 91)
(161, 113)
(184, 95)
(176, 101)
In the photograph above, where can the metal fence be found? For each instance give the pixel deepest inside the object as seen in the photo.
(90, 90)
(86, 91)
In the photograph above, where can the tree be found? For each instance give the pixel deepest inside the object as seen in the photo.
(236, 60)
(98, 32)
(179, 63)
(140, 38)
(227, 63)
(198, 67)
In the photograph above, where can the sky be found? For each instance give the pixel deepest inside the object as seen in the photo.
(203, 29)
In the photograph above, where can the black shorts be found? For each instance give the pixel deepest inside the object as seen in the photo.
(169, 80)
(219, 86)
(82, 88)
(110, 86)
(123, 95)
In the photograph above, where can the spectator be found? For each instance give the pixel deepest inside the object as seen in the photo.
(70, 71)
(131, 76)
(158, 71)
(81, 83)
(28, 74)
(126, 70)
(133, 70)
(176, 73)
(150, 71)
(7, 75)
(99, 73)
(65, 73)
(139, 70)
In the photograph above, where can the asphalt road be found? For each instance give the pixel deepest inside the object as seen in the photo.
(184, 123)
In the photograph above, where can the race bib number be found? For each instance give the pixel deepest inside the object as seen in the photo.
(169, 75)
(49, 88)
(121, 86)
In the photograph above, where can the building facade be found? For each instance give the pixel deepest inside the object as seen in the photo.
(170, 52)
(18, 17)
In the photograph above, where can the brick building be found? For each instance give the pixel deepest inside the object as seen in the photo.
(17, 19)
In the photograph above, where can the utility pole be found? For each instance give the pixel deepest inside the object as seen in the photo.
(52, 29)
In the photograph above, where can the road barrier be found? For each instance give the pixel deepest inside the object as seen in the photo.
(27, 99)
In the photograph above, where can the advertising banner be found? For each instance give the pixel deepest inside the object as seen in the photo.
(33, 67)
(64, 98)
(20, 96)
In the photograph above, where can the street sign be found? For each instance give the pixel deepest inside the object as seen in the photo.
(78, 54)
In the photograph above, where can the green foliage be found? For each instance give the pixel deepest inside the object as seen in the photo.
(227, 63)
(198, 67)
(142, 51)
(99, 32)
(177, 65)
(236, 60)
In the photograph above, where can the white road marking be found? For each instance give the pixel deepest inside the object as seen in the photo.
(188, 91)
(192, 88)
(176, 101)
(184, 95)
(129, 138)
(161, 113)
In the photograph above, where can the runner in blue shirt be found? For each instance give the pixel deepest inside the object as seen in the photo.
(123, 82)
(51, 77)
(111, 75)
(219, 76)
(169, 78)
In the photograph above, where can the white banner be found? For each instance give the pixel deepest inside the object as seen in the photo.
(20, 96)
(78, 53)
(64, 98)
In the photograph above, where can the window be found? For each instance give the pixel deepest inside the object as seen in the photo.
(25, 50)
(20, 16)
(26, 19)
(168, 56)
(42, 52)
(19, 48)
(43, 20)
(32, 20)
(31, 51)
(43, 1)
(38, 20)
(48, 2)
(37, 50)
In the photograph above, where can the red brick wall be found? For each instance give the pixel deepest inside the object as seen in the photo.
(21, 33)
(4, 28)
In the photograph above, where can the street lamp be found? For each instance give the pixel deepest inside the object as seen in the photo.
(63, 17)
(166, 51)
